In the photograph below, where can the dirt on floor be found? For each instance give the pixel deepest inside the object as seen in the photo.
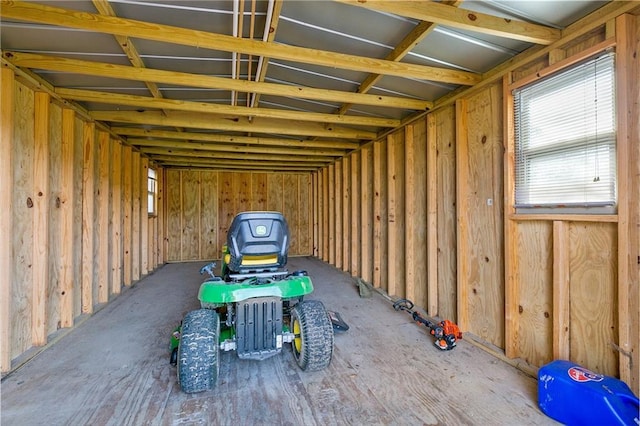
(113, 369)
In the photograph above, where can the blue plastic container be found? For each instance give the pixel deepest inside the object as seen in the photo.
(573, 395)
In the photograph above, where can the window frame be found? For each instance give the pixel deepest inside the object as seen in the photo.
(152, 192)
(600, 213)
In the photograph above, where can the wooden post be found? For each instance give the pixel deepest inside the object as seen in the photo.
(628, 126)
(41, 197)
(66, 204)
(325, 215)
(315, 214)
(6, 201)
(511, 265)
(127, 169)
(88, 168)
(561, 290)
(366, 211)
(144, 217)
(104, 243)
(346, 214)
(333, 238)
(116, 217)
(432, 216)
(355, 214)
(395, 215)
(338, 214)
(135, 216)
(379, 215)
(462, 171)
(411, 215)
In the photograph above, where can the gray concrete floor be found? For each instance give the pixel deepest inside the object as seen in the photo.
(114, 369)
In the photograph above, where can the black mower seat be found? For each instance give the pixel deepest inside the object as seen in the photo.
(258, 242)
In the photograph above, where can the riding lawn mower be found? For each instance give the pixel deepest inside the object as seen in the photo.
(254, 306)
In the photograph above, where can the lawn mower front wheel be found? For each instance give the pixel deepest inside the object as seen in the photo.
(313, 341)
(198, 351)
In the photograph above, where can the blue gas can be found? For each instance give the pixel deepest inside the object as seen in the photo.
(573, 395)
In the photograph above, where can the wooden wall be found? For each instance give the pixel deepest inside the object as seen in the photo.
(426, 213)
(74, 224)
(200, 206)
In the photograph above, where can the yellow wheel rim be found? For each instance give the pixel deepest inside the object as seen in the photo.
(297, 341)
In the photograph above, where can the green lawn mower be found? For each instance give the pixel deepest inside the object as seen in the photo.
(253, 307)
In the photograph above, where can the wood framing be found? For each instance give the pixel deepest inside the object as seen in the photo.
(6, 220)
(67, 166)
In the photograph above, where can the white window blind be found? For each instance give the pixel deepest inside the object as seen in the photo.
(565, 143)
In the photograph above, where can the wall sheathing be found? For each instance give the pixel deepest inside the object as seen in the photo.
(201, 204)
(444, 234)
(67, 229)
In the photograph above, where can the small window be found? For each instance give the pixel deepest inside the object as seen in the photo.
(152, 190)
(565, 140)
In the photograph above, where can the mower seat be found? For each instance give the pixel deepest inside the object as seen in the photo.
(257, 242)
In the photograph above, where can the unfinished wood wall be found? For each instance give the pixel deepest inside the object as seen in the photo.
(200, 206)
(425, 213)
(74, 203)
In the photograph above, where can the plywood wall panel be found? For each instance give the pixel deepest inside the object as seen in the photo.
(115, 217)
(190, 215)
(174, 215)
(290, 211)
(77, 215)
(209, 216)
(415, 167)
(67, 198)
(339, 212)
(242, 191)
(144, 216)
(535, 297)
(366, 213)
(593, 295)
(380, 256)
(346, 214)
(21, 288)
(7, 86)
(355, 214)
(226, 207)
(101, 228)
(331, 170)
(446, 211)
(396, 276)
(127, 214)
(481, 187)
(53, 299)
(305, 230)
(136, 186)
(259, 191)
(202, 204)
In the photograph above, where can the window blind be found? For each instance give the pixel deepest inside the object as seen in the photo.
(565, 131)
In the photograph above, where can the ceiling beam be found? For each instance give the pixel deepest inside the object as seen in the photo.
(234, 156)
(45, 14)
(55, 63)
(211, 122)
(228, 139)
(253, 166)
(235, 148)
(463, 19)
(227, 110)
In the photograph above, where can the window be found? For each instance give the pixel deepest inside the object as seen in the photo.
(152, 191)
(565, 140)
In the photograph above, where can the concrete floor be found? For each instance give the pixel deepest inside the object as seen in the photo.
(114, 369)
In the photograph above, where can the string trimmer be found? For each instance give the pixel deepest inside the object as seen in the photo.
(445, 332)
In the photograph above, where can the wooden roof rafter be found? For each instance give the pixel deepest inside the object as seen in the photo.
(45, 14)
